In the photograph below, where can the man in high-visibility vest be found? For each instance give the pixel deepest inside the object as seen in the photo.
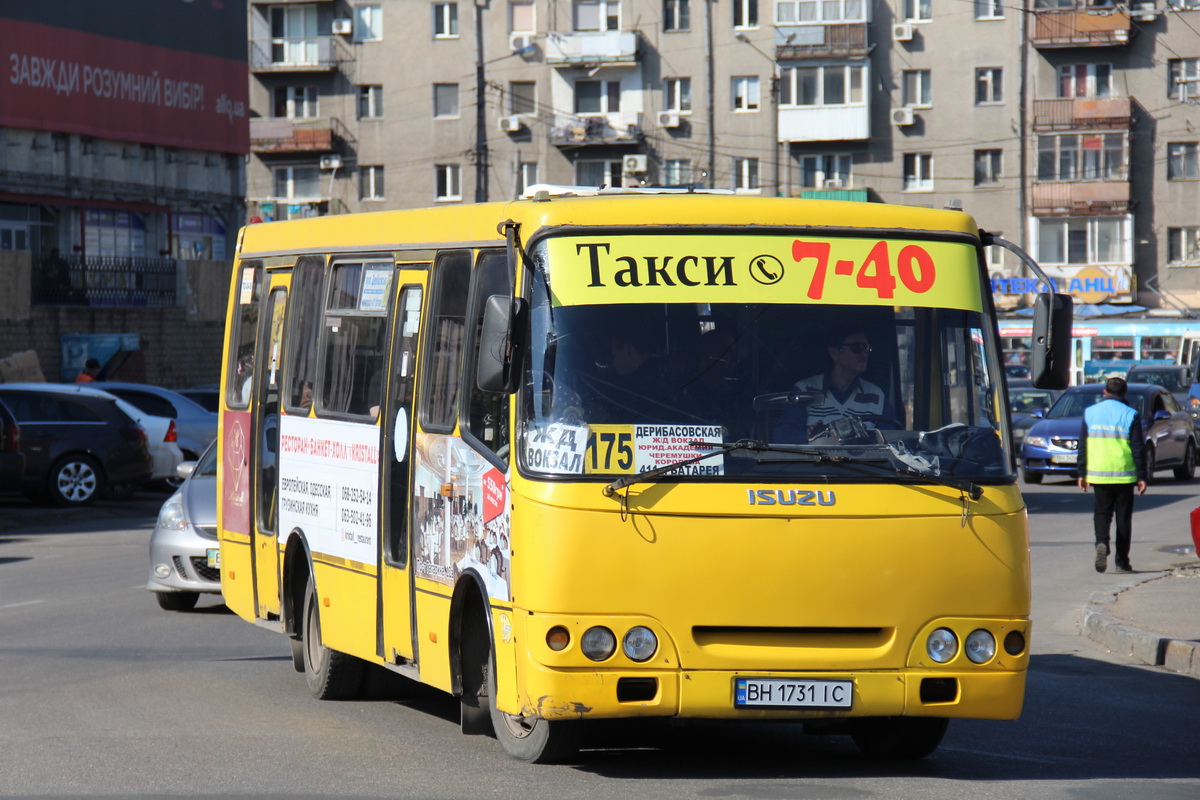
(1112, 461)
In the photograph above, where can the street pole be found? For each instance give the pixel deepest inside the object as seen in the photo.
(481, 145)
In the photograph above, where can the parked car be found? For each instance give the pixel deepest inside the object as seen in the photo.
(184, 552)
(195, 425)
(1051, 446)
(208, 396)
(78, 442)
(12, 460)
(1027, 404)
(1175, 378)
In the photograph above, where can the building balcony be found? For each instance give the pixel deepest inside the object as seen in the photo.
(1080, 198)
(313, 54)
(592, 49)
(1096, 27)
(824, 123)
(845, 40)
(270, 136)
(570, 129)
(1083, 113)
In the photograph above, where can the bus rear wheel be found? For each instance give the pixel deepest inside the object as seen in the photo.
(906, 738)
(330, 675)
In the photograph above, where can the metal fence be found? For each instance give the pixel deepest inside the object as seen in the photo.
(108, 281)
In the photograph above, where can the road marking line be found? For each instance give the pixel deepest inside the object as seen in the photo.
(25, 603)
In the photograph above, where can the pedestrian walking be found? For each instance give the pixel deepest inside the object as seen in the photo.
(1112, 461)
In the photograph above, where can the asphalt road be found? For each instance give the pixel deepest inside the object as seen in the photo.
(104, 694)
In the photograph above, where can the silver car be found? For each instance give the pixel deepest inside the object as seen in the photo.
(184, 552)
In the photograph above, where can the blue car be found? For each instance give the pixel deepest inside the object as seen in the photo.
(1051, 446)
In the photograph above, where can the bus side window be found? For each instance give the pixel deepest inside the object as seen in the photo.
(442, 369)
(485, 417)
(303, 325)
(241, 370)
(355, 332)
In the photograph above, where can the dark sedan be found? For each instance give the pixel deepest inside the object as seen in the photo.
(1027, 405)
(77, 442)
(1051, 446)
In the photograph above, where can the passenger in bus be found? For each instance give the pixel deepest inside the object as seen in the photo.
(845, 392)
(245, 375)
(635, 386)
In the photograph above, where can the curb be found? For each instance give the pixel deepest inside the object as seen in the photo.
(1154, 649)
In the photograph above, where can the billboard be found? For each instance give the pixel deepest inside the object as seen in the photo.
(164, 72)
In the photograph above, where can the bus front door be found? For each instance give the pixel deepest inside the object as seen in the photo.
(395, 491)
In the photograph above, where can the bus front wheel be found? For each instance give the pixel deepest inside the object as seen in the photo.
(330, 675)
(532, 739)
(898, 737)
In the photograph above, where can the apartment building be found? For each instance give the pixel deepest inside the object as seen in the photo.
(1069, 127)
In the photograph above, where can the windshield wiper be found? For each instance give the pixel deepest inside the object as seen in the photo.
(750, 445)
(969, 488)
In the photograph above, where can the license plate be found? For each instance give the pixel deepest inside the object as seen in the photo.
(788, 693)
(1064, 458)
(214, 557)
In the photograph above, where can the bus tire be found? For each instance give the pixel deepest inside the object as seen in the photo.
(532, 739)
(330, 675)
(895, 738)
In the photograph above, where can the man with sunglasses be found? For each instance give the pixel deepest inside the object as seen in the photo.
(843, 394)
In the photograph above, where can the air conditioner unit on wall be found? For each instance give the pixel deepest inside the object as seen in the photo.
(520, 41)
(902, 32)
(668, 119)
(342, 26)
(902, 117)
(510, 124)
(331, 162)
(635, 163)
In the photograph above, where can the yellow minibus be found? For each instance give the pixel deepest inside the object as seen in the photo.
(603, 455)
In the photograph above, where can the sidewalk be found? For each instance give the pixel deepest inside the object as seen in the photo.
(1155, 621)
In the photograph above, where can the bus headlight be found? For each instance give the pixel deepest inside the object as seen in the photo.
(981, 646)
(598, 643)
(640, 643)
(942, 645)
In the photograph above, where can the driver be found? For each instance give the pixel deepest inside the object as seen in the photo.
(845, 393)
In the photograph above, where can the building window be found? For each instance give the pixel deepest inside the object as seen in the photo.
(445, 20)
(825, 85)
(745, 93)
(918, 10)
(1181, 161)
(597, 15)
(677, 94)
(370, 102)
(1183, 245)
(989, 86)
(676, 15)
(918, 172)
(598, 173)
(522, 97)
(745, 174)
(294, 34)
(294, 102)
(745, 13)
(1081, 240)
(825, 171)
(987, 167)
(793, 12)
(368, 23)
(297, 183)
(1183, 78)
(916, 89)
(527, 175)
(989, 9)
(1084, 80)
(1081, 157)
(677, 172)
(448, 180)
(445, 100)
(597, 97)
(521, 17)
(370, 183)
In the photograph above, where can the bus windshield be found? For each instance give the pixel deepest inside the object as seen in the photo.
(841, 392)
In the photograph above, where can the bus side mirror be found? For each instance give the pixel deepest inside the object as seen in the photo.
(501, 344)
(1052, 318)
